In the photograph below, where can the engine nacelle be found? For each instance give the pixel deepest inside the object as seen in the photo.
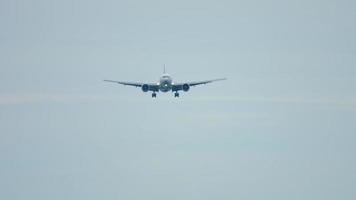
(145, 88)
(186, 87)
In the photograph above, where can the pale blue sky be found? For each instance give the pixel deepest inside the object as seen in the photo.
(281, 127)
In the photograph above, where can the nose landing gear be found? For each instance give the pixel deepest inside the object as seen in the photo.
(176, 94)
(154, 95)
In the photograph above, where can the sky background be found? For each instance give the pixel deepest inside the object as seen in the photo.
(281, 127)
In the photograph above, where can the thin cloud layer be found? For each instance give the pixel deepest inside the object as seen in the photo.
(14, 99)
(36, 98)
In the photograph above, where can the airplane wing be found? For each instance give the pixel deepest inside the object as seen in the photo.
(205, 82)
(185, 86)
(126, 83)
(144, 86)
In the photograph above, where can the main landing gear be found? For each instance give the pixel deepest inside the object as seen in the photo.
(176, 94)
(154, 95)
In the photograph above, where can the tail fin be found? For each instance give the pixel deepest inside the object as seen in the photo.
(164, 69)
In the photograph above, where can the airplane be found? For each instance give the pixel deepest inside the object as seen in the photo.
(165, 84)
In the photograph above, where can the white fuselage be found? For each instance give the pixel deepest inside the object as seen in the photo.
(165, 83)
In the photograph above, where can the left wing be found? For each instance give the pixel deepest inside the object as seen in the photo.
(126, 83)
(145, 86)
(185, 86)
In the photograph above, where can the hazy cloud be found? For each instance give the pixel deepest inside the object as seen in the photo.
(31, 98)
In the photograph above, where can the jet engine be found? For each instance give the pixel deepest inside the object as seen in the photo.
(145, 88)
(186, 87)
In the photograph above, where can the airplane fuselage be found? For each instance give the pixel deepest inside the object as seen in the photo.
(165, 83)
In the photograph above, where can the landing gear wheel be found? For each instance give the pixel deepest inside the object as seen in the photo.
(154, 95)
(176, 94)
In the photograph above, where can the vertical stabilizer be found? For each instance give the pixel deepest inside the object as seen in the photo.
(164, 69)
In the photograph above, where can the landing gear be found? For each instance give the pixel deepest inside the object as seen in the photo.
(176, 94)
(154, 95)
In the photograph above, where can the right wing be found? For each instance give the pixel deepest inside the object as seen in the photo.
(146, 86)
(180, 86)
(205, 82)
